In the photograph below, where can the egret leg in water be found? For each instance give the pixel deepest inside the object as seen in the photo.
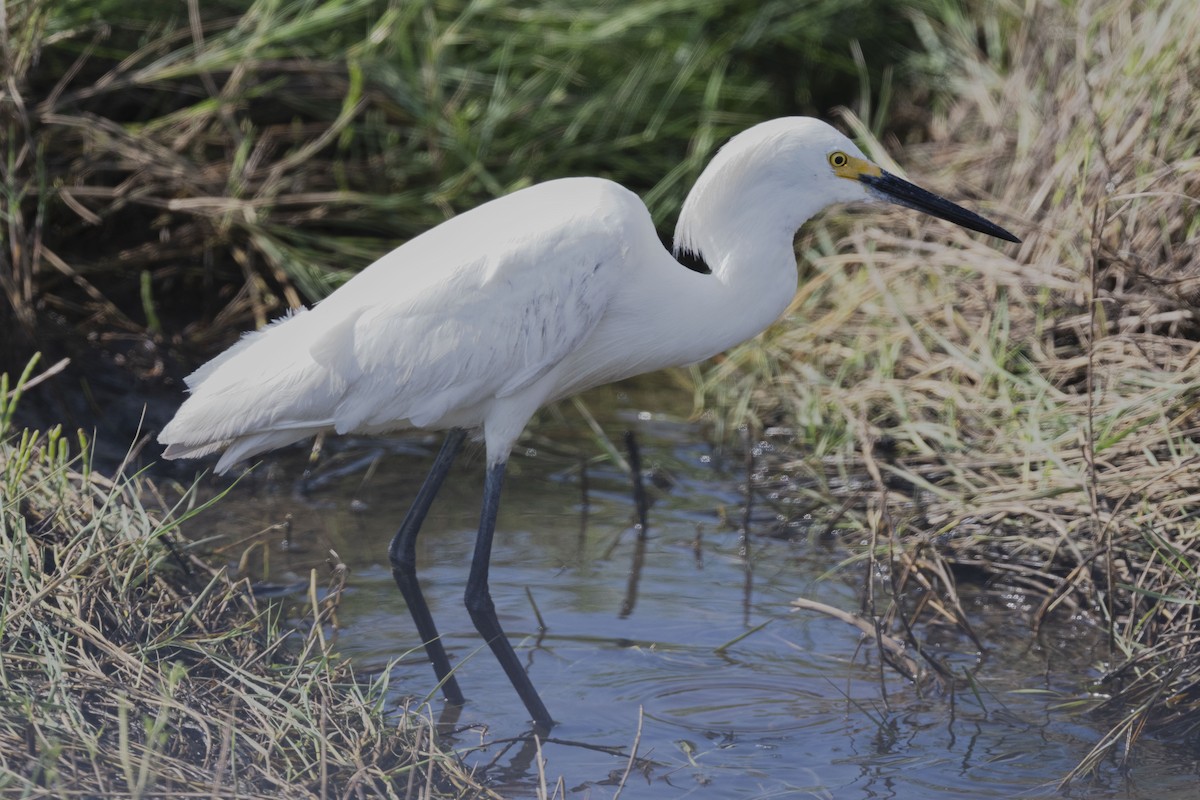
(528, 299)
(402, 553)
(478, 598)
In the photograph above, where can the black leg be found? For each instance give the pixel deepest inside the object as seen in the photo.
(402, 552)
(483, 612)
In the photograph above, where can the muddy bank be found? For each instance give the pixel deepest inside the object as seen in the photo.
(119, 393)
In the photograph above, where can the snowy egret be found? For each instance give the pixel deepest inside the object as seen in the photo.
(475, 324)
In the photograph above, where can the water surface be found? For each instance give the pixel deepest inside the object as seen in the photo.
(797, 708)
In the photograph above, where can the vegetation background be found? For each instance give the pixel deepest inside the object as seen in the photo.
(172, 174)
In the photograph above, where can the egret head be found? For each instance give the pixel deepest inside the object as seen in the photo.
(780, 173)
(882, 185)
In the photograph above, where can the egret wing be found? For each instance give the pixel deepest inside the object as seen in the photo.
(478, 308)
(494, 326)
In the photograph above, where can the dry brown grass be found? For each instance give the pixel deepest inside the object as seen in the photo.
(129, 668)
(1029, 411)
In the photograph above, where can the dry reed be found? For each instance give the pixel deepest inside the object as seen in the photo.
(1025, 413)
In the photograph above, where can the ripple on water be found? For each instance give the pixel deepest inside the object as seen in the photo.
(704, 699)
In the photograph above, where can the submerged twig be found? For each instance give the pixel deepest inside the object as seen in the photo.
(895, 648)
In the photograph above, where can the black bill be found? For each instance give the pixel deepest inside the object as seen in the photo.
(887, 186)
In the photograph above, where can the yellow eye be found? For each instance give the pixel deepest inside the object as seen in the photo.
(838, 159)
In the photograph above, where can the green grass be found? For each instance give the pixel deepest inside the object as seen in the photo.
(184, 171)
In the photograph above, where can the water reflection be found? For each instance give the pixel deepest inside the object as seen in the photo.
(665, 639)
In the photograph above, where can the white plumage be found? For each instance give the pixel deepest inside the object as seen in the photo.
(435, 334)
(524, 300)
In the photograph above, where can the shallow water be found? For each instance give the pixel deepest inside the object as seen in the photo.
(794, 709)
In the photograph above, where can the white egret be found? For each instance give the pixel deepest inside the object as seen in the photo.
(527, 299)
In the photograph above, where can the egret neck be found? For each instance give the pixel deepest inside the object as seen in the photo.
(734, 222)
